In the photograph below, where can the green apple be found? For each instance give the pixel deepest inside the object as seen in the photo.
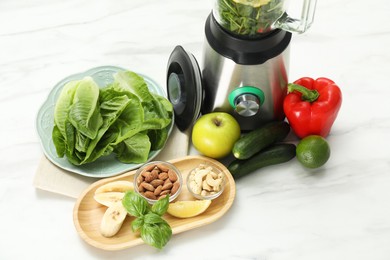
(214, 134)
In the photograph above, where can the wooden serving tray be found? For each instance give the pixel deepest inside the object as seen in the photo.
(87, 213)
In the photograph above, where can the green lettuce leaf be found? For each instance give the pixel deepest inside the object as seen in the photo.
(59, 141)
(84, 113)
(134, 149)
(82, 142)
(156, 115)
(158, 138)
(63, 105)
(134, 83)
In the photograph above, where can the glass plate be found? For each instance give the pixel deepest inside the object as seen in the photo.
(106, 166)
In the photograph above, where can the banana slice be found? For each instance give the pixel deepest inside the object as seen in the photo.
(115, 186)
(109, 198)
(112, 220)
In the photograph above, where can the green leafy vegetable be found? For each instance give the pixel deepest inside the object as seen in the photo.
(154, 230)
(134, 149)
(84, 113)
(249, 18)
(153, 218)
(63, 105)
(156, 115)
(161, 206)
(135, 205)
(122, 118)
(156, 235)
(137, 223)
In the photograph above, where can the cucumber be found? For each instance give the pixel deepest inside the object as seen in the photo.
(274, 154)
(258, 139)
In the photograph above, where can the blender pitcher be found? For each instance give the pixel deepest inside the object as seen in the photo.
(253, 18)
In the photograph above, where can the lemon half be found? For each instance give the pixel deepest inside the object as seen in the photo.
(188, 208)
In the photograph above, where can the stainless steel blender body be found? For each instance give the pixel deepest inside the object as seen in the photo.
(245, 77)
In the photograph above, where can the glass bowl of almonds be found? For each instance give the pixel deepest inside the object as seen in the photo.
(157, 179)
(205, 182)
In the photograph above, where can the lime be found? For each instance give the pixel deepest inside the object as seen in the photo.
(313, 151)
(189, 208)
(253, 3)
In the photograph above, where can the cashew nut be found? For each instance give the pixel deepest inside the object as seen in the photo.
(199, 176)
(195, 187)
(213, 182)
(214, 174)
(203, 193)
(206, 186)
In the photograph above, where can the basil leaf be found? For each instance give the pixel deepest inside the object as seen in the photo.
(135, 204)
(166, 230)
(156, 235)
(161, 206)
(137, 223)
(153, 218)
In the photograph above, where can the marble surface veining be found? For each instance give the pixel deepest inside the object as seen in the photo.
(340, 211)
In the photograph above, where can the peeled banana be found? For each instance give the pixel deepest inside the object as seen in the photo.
(109, 198)
(115, 186)
(113, 219)
(111, 195)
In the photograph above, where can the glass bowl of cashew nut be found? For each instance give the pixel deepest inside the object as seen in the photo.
(205, 182)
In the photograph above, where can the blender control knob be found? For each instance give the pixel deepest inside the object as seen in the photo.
(246, 100)
(247, 105)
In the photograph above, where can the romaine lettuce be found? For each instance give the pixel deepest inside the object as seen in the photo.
(122, 118)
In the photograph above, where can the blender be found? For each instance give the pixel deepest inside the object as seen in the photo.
(245, 63)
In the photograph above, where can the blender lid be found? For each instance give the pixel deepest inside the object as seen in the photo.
(184, 87)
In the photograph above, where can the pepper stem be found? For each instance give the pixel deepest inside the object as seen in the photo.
(309, 95)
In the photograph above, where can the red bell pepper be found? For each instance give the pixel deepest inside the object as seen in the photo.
(311, 106)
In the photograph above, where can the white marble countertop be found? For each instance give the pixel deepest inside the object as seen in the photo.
(340, 211)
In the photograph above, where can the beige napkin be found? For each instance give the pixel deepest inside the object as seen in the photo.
(51, 178)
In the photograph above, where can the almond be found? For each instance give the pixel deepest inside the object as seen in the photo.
(140, 179)
(157, 182)
(154, 174)
(172, 175)
(163, 176)
(165, 192)
(175, 187)
(148, 186)
(151, 176)
(162, 167)
(149, 168)
(145, 173)
(150, 195)
(141, 188)
(158, 190)
(167, 186)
